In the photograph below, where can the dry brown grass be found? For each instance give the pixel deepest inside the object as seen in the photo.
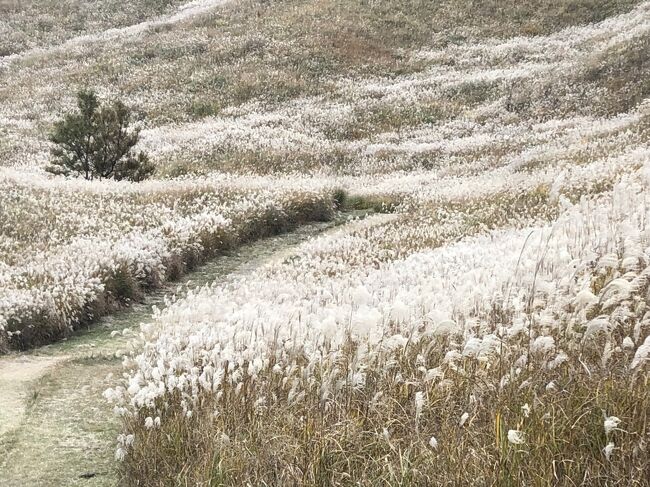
(506, 18)
(609, 83)
(341, 440)
(373, 435)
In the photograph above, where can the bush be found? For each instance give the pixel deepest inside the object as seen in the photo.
(96, 142)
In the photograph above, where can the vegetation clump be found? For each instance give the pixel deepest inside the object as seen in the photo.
(98, 142)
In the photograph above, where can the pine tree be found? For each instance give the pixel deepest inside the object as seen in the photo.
(97, 142)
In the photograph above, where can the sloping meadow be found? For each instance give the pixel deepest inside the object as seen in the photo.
(368, 359)
(493, 331)
(72, 251)
(316, 86)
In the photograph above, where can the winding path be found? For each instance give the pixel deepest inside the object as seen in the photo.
(184, 12)
(55, 427)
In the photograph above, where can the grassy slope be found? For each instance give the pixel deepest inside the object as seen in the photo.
(267, 52)
(277, 52)
(26, 25)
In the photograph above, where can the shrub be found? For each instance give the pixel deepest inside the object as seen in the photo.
(97, 142)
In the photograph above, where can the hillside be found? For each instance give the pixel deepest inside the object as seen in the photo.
(493, 330)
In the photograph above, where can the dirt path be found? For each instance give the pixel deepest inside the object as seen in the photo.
(55, 427)
(15, 377)
(184, 12)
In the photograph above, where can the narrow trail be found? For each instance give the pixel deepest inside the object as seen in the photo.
(55, 427)
(184, 12)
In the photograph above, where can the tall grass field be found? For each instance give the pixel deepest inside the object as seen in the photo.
(487, 321)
